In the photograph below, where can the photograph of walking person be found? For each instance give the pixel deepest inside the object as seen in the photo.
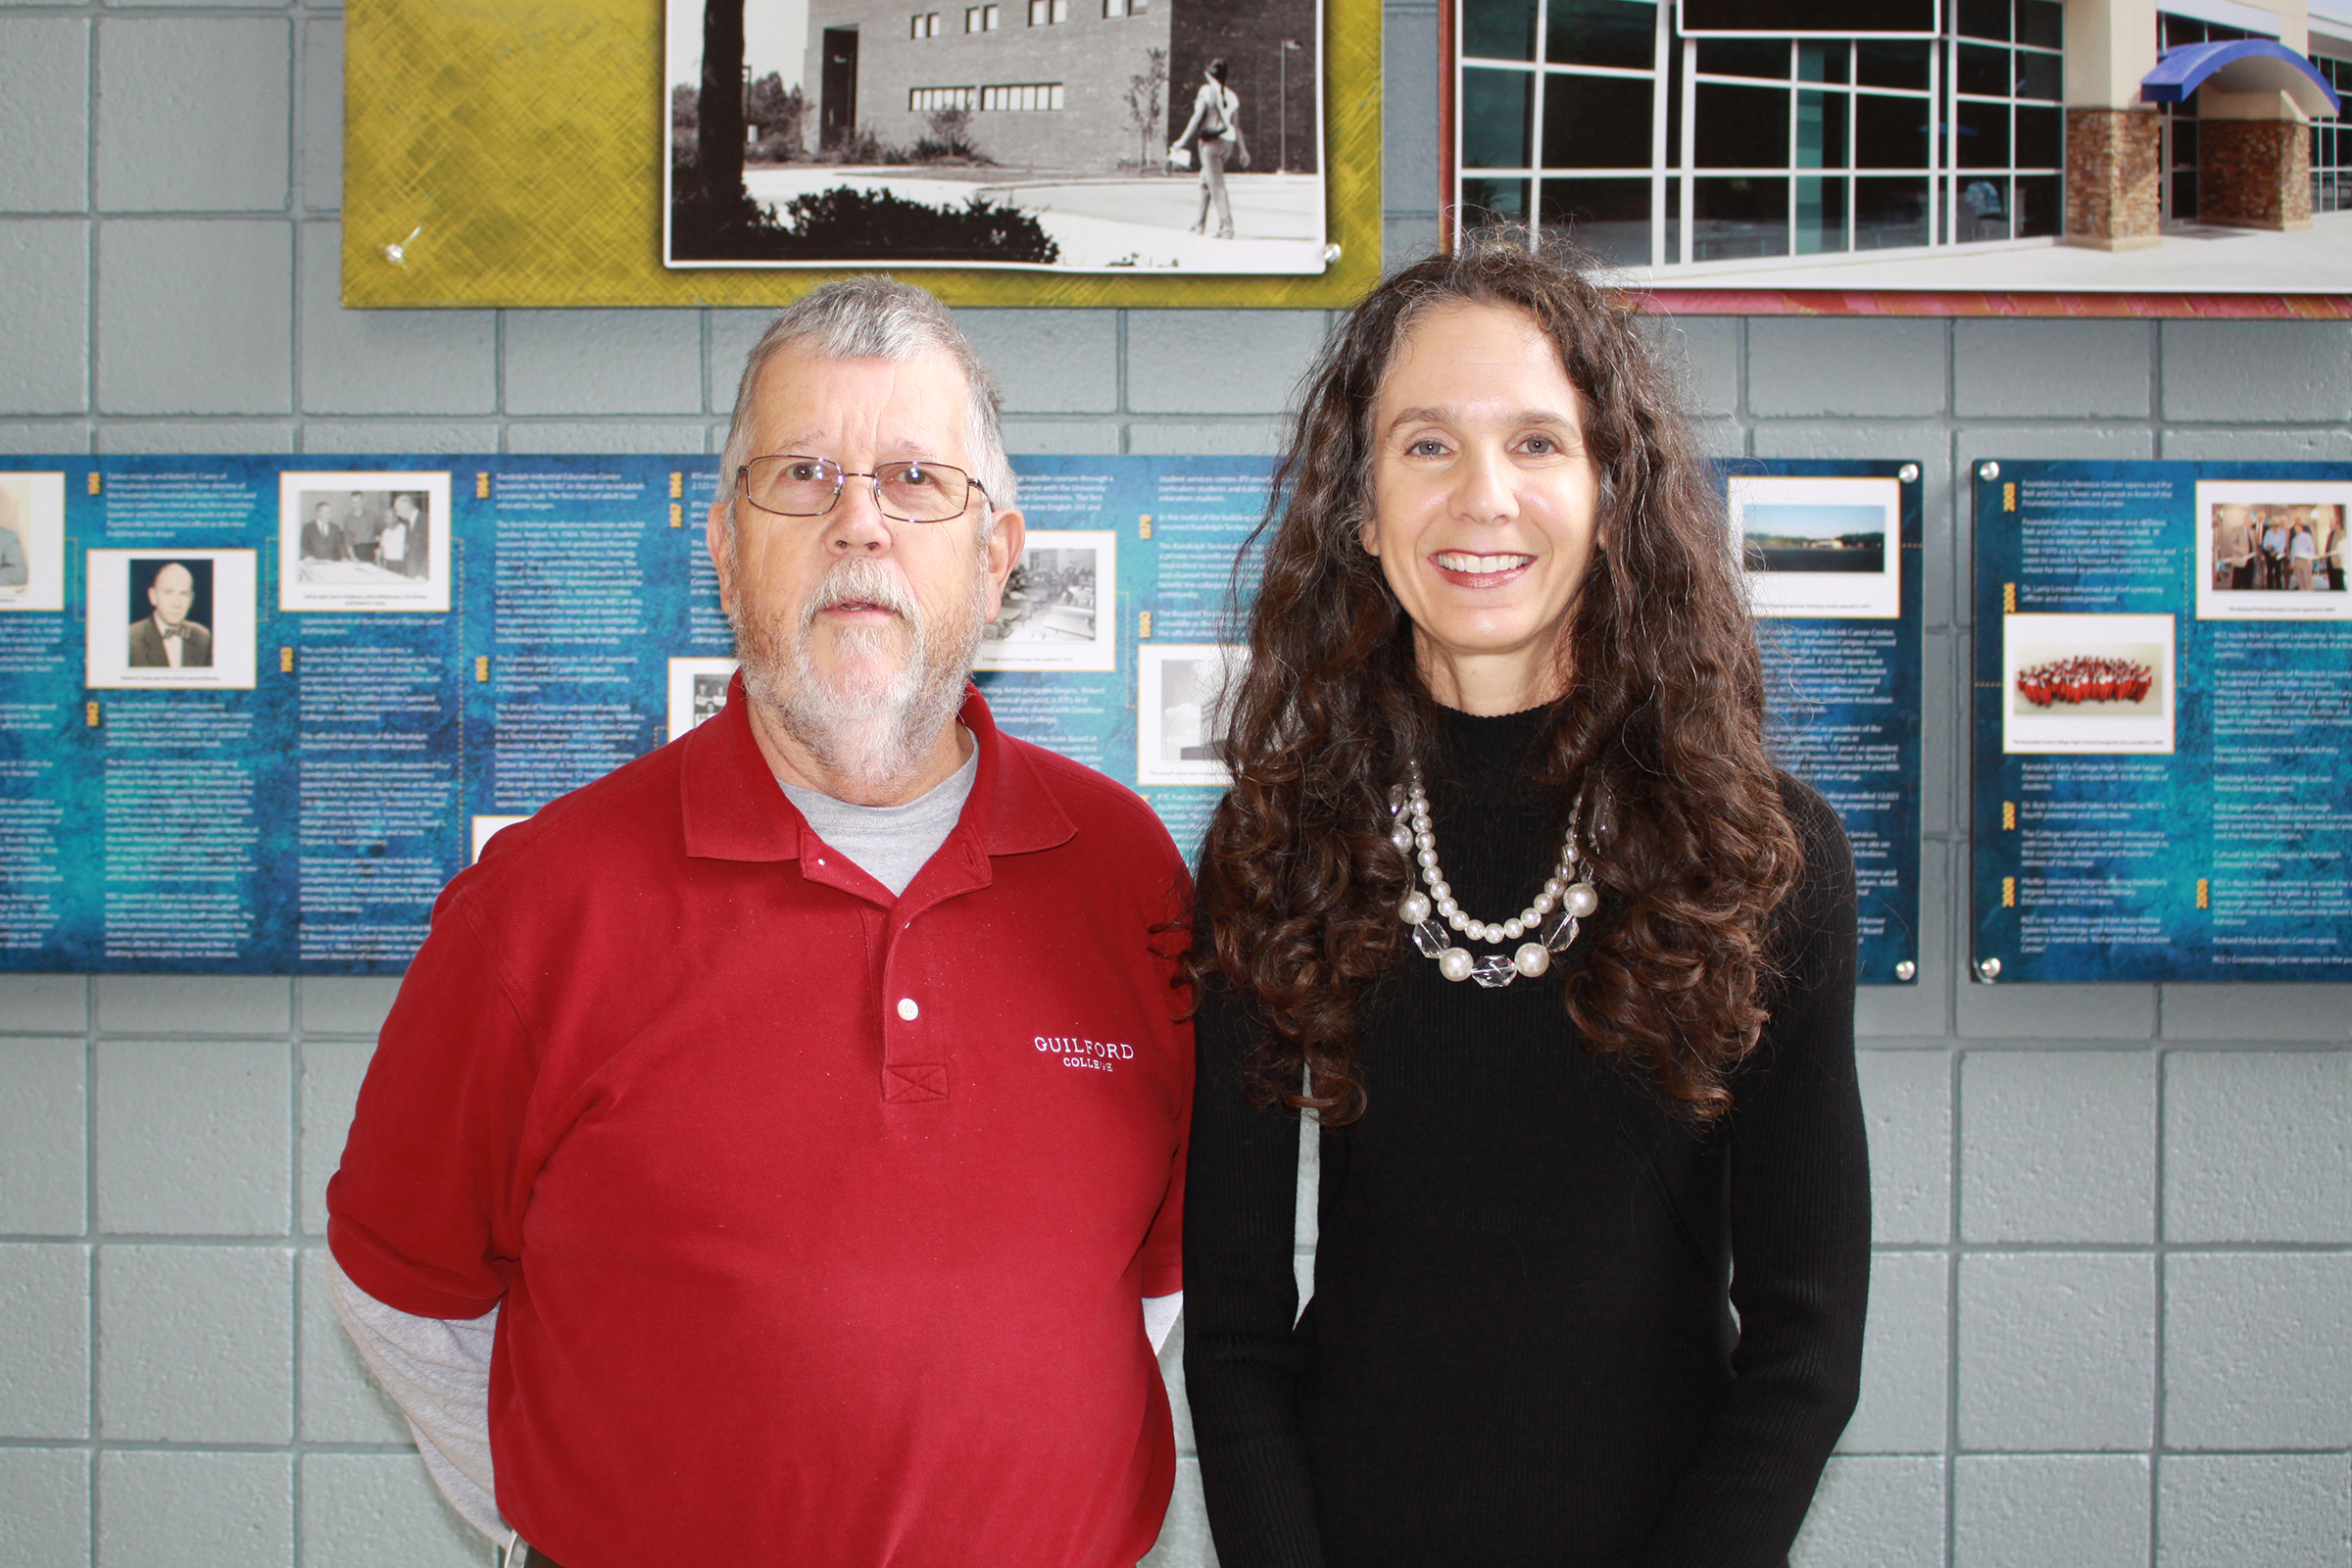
(1068, 136)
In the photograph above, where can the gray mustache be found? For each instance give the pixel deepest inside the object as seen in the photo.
(858, 579)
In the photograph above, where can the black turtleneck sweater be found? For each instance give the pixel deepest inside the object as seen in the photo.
(1550, 1324)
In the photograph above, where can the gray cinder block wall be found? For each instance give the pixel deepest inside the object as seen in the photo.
(2111, 1318)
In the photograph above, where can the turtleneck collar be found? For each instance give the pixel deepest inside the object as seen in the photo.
(1487, 754)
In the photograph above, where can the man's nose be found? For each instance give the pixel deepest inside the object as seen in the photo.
(855, 523)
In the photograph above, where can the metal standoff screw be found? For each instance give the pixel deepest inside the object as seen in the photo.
(1989, 970)
(1908, 473)
(1906, 971)
(1988, 470)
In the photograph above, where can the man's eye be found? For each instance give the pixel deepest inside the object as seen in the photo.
(803, 472)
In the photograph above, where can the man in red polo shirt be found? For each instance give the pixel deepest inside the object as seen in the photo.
(776, 1155)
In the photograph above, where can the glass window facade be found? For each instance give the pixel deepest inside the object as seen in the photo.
(1649, 148)
(2331, 143)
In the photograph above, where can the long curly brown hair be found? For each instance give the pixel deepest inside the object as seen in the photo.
(1664, 724)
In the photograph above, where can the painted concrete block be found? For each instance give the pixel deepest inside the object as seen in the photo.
(44, 315)
(732, 335)
(606, 435)
(193, 1139)
(2052, 441)
(44, 437)
(1940, 743)
(1874, 1513)
(1409, 73)
(195, 1510)
(2059, 1146)
(1906, 1358)
(2057, 1351)
(2257, 372)
(2256, 1013)
(2040, 1012)
(340, 1400)
(1056, 437)
(44, 1156)
(381, 1507)
(2280, 1510)
(176, 1005)
(321, 125)
(1221, 361)
(1801, 368)
(44, 1354)
(1907, 1105)
(2258, 1351)
(331, 1071)
(1049, 362)
(1704, 352)
(344, 1005)
(1407, 237)
(1246, 438)
(160, 350)
(44, 113)
(2064, 369)
(2031, 1510)
(388, 362)
(2258, 1146)
(603, 362)
(44, 1505)
(437, 437)
(1184, 1540)
(2323, 444)
(173, 436)
(194, 114)
(196, 1344)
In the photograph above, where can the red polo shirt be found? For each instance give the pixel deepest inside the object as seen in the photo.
(820, 1220)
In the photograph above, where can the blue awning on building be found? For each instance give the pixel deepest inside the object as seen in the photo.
(2241, 64)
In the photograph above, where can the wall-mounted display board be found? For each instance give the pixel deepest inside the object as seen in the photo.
(2163, 713)
(256, 711)
(1018, 153)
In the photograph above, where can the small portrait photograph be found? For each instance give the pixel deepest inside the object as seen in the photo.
(363, 541)
(32, 541)
(1820, 547)
(486, 828)
(1061, 606)
(2088, 683)
(698, 690)
(2273, 550)
(165, 618)
(1179, 702)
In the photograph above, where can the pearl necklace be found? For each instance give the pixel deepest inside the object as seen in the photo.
(1567, 896)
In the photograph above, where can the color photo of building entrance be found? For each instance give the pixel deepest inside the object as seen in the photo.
(1681, 139)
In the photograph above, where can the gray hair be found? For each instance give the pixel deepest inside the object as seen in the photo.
(877, 318)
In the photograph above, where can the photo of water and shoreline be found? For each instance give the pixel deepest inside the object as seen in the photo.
(1782, 536)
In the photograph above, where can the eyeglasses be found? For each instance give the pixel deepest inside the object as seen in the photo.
(914, 491)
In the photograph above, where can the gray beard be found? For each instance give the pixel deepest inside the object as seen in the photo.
(870, 727)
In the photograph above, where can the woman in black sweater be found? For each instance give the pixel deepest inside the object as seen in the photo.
(1508, 897)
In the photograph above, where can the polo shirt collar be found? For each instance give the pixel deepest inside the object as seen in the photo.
(735, 810)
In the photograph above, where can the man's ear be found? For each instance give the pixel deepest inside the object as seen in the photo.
(714, 537)
(1003, 549)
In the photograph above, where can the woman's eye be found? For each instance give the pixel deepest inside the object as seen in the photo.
(1541, 444)
(1429, 446)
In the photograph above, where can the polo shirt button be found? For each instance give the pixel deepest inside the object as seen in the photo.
(908, 1009)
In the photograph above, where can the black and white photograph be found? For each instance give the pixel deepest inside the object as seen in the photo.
(698, 690)
(171, 618)
(32, 541)
(1118, 136)
(364, 541)
(1058, 612)
(2087, 684)
(2273, 550)
(1818, 547)
(1180, 692)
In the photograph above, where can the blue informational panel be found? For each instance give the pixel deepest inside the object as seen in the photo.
(256, 711)
(2163, 702)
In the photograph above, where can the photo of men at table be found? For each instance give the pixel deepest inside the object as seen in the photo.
(362, 536)
(2261, 547)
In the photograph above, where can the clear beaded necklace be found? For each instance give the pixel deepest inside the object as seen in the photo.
(1551, 918)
